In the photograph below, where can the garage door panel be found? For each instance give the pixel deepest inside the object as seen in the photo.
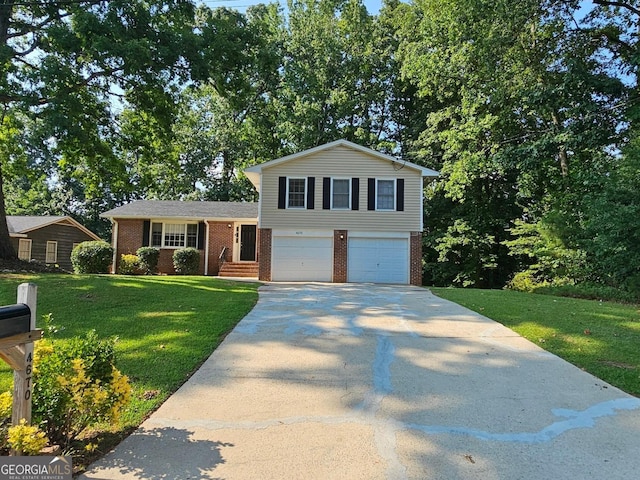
(302, 259)
(378, 260)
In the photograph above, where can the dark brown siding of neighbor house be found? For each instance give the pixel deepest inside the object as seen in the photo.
(65, 235)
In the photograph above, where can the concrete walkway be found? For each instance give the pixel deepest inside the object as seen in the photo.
(326, 381)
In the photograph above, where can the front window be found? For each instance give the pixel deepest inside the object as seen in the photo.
(24, 249)
(340, 193)
(174, 235)
(296, 192)
(192, 235)
(386, 195)
(156, 234)
(52, 252)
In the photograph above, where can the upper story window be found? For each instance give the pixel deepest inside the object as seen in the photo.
(174, 235)
(385, 194)
(340, 194)
(296, 192)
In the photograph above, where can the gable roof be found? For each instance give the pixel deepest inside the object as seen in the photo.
(20, 225)
(253, 173)
(194, 210)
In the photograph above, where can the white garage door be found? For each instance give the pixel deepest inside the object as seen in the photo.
(302, 259)
(378, 260)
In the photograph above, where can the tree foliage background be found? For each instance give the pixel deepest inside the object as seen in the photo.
(528, 108)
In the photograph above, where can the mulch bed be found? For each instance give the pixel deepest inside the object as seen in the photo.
(20, 266)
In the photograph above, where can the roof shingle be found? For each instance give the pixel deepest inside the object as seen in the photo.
(183, 209)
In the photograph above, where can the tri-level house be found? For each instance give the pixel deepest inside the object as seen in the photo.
(338, 212)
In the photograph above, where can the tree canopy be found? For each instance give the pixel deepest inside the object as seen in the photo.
(528, 108)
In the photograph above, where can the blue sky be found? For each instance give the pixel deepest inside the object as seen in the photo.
(373, 6)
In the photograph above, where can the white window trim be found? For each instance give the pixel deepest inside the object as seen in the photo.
(348, 207)
(29, 242)
(162, 238)
(303, 207)
(395, 190)
(55, 252)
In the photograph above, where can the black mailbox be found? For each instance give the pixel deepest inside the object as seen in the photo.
(14, 319)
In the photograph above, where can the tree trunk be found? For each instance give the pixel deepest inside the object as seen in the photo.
(562, 149)
(7, 251)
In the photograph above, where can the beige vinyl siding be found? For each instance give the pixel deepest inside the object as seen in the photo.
(342, 162)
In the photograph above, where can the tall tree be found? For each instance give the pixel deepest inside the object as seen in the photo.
(71, 64)
(517, 116)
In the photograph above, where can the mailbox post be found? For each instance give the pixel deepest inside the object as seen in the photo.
(17, 334)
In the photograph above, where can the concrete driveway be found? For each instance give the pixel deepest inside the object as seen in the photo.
(327, 381)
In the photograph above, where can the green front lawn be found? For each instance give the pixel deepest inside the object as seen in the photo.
(602, 338)
(166, 325)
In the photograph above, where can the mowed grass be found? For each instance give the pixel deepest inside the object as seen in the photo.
(166, 325)
(603, 338)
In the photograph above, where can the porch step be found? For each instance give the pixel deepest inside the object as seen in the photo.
(239, 269)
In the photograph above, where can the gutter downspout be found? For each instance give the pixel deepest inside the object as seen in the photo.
(206, 249)
(114, 237)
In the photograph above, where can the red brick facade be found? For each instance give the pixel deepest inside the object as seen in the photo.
(340, 256)
(264, 254)
(415, 259)
(129, 239)
(220, 236)
(130, 234)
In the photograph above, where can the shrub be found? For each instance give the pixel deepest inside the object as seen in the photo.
(76, 386)
(129, 265)
(26, 439)
(148, 259)
(526, 282)
(186, 261)
(92, 257)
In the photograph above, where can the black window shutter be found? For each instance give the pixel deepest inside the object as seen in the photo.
(371, 194)
(400, 195)
(282, 192)
(311, 192)
(355, 194)
(201, 230)
(146, 228)
(326, 193)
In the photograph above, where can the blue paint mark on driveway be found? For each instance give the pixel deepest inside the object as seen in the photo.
(382, 365)
(575, 419)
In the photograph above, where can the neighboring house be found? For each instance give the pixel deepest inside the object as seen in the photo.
(224, 232)
(340, 212)
(47, 239)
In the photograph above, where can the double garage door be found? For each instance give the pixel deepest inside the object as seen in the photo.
(369, 259)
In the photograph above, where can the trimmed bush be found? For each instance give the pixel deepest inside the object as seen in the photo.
(77, 386)
(129, 265)
(148, 259)
(186, 261)
(92, 257)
